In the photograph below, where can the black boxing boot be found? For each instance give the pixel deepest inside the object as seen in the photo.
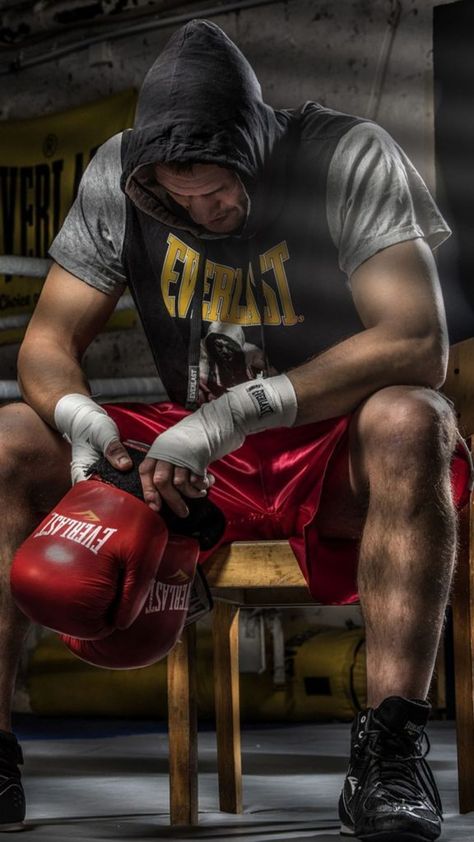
(12, 796)
(389, 794)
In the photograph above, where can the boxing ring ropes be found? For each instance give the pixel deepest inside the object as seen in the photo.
(107, 388)
(265, 573)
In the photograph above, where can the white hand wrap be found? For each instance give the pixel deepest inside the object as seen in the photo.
(219, 427)
(87, 427)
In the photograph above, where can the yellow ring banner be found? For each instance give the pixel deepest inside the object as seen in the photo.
(41, 163)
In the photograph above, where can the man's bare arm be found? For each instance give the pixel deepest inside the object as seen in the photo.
(397, 295)
(69, 314)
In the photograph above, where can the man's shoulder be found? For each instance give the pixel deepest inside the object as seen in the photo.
(336, 140)
(101, 180)
(90, 242)
(109, 153)
(319, 123)
(319, 134)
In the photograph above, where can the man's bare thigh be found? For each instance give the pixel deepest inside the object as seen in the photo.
(413, 412)
(35, 458)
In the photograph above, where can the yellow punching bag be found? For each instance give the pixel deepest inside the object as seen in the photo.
(327, 671)
(325, 679)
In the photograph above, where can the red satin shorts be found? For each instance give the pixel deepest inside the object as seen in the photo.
(270, 488)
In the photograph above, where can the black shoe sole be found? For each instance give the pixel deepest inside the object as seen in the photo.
(12, 827)
(387, 836)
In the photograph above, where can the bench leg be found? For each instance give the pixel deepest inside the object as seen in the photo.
(182, 730)
(226, 688)
(463, 631)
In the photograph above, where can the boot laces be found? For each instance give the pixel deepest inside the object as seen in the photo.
(400, 765)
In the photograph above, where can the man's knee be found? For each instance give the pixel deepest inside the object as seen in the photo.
(402, 429)
(31, 453)
(401, 417)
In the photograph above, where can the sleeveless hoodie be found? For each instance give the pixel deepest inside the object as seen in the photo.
(220, 309)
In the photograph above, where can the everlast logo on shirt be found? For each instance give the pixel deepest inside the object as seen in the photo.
(228, 291)
(165, 597)
(88, 534)
(259, 397)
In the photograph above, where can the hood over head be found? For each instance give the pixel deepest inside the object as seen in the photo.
(202, 103)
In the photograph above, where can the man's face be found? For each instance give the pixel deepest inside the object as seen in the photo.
(213, 196)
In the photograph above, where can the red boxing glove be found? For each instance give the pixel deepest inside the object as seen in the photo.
(88, 567)
(160, 621)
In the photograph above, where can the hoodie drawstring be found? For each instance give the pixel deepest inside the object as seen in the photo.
(254, 258)
(194, 353)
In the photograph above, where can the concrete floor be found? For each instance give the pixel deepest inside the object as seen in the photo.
(102, 780)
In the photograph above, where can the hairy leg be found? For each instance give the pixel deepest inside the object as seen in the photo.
(402, 440)
(393, 495)
(34, 475)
